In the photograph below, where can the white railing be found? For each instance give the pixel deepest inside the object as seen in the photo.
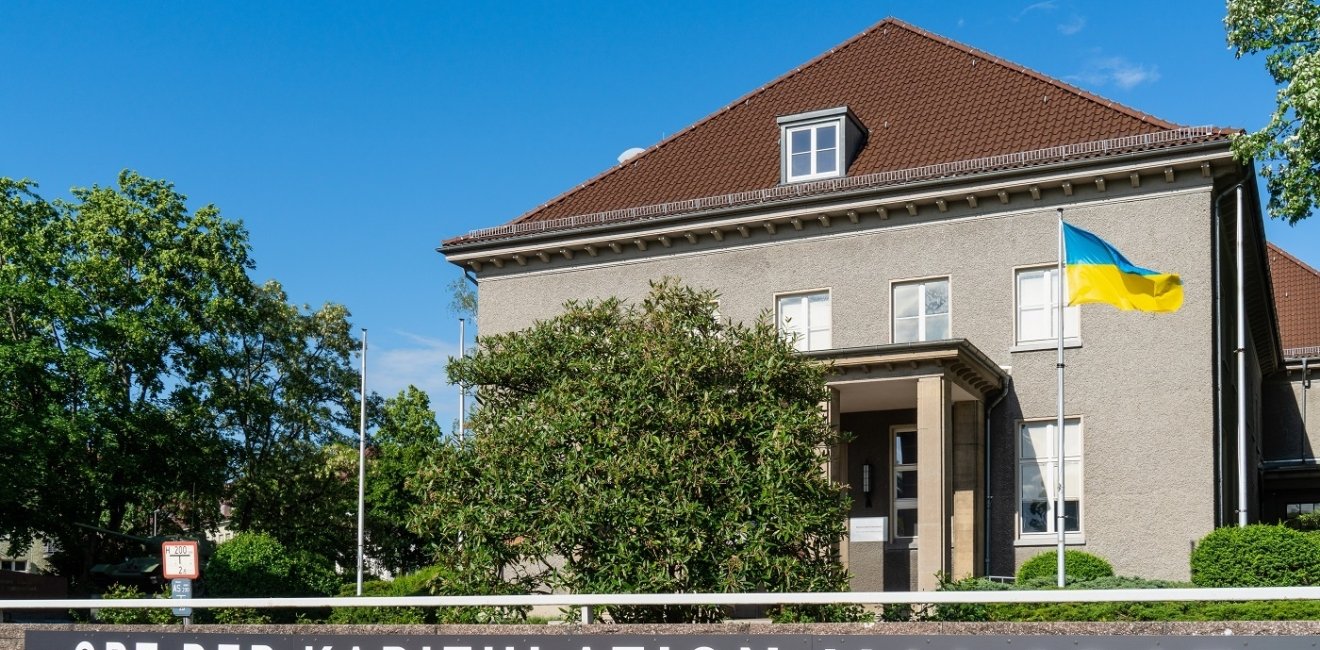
(594, 600)
(1302, 353)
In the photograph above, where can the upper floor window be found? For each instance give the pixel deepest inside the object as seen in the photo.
(1038, 307)
(804, 319)
(813, 151)
(921, 311)
(819, 144)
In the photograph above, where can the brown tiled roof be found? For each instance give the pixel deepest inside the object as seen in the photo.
(924, 99)
(1296, 300)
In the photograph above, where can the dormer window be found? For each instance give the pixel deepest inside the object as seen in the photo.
(818, 144)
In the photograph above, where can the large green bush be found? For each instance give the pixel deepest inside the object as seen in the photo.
(1078, 566)
(592, 418)
(1256, 556)
(253, 565)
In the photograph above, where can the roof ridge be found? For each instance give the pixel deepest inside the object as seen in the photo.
(727, 108)
(1039, 76)
(1293, 258)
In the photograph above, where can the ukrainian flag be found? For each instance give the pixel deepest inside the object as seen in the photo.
(1097, 272)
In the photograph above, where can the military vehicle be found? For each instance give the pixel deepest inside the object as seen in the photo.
(142, 571)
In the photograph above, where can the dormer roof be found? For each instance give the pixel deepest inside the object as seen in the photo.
(924, 100)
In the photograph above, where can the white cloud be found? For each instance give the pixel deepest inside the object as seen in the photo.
(1116, 70)
(1046, 5)
(1074, 25)
(421, 363)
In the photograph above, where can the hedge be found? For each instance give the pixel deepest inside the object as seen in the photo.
(1259, 555)
(1079, 566)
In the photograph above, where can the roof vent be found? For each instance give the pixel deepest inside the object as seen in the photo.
(630, 154)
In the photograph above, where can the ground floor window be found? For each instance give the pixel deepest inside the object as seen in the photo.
(14, 565)
(1037, 476)
(905, 483)
(1295, 509)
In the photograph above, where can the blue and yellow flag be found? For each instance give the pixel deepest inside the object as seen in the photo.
(1097, 272)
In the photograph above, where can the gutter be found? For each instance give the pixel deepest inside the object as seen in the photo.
(1220, 469)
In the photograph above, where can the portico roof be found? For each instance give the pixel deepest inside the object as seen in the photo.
(957, 359)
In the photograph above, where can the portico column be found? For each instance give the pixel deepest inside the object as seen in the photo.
(934, 452)
(968, 479)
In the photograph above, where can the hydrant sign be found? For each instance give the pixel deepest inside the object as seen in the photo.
(178, 559)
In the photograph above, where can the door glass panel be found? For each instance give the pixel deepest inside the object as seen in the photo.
(905, 522)
(905, 448)
(905, 484)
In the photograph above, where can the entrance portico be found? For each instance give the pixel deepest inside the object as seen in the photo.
(886, 395)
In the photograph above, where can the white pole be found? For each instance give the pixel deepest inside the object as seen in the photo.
(1060, 520)
(1241, 375)
(362, 461)
(462, 390)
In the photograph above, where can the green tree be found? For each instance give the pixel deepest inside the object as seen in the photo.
(107, 298)
(462, 298)
(1288, 148)
(405, 439)
(281, 383)
(642, 448)
(141, 370)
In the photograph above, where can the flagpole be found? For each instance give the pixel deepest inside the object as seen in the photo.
(462, 390)
(362, 461)
(1060, 519)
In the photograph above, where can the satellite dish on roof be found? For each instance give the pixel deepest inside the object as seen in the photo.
(630, 154)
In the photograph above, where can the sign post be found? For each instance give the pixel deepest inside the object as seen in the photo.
(178, 562)
(181, 588)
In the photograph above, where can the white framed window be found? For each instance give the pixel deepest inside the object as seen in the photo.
(818, 144)
(921, 310)
(1037, 476)
(804, 319)
(1037, 298)
(904, 501)
(813, 151)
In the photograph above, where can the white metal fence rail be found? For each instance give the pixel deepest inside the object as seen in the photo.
(590, 600)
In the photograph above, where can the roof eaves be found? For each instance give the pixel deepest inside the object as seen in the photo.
(1195, 136)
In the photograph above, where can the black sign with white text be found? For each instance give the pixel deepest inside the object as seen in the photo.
(43, 640)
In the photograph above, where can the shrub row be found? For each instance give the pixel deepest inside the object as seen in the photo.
(1250, 556)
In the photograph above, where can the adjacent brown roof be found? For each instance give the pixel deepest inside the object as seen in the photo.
(1296, 300)
(924, 100)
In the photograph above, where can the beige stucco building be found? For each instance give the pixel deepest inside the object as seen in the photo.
(893, 205)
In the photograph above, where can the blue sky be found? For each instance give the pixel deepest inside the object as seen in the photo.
(352, 138)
